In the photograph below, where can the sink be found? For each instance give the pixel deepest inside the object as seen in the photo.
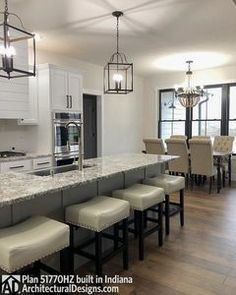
(60, 169)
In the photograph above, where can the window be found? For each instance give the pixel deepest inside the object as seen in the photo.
(232, 113)
(207, 114)
(215, 115)
(172, 115)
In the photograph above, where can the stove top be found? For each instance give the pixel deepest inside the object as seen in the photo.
(8, 154)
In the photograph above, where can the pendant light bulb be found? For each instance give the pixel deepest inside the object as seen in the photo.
(8, 51)
(117, 77)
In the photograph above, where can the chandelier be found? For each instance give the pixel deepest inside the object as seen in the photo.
(118, 73)
(15, 46)
(190, 96)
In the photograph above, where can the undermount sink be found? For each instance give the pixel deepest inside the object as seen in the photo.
(57, 170)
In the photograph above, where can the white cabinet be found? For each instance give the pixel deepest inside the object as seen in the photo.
(32, 114)
(75, 91)
(14, 98)
(40, 163)
(66, 90)
(16, 166)
(60, 97)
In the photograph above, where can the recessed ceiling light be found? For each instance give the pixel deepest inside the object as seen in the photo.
(202, 60)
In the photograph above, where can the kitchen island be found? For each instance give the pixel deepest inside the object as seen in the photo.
(23, 195)
(16, 188)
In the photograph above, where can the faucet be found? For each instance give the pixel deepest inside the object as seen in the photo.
(80, 153)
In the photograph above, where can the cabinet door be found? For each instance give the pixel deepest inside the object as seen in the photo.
(40, 163)
(59, 90)
(75, 91)
(16, 166)
(14, 98)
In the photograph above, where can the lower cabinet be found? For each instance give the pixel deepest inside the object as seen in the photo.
(41, 163)
(16, 166)
(26, 165)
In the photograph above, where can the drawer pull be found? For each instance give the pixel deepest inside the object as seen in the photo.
(43, 163)
(17, 167)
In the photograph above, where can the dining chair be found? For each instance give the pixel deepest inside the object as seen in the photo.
(179, 148)
(179, 137)
(201, 137)
(202, 163)
(224, 144)
(154, 146)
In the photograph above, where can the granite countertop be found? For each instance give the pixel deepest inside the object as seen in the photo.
(28, 156)
(17, 187)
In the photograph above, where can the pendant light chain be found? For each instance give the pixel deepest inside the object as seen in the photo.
(6, 7)
(117, 35)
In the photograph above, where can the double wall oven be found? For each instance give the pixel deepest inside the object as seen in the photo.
(68, 139)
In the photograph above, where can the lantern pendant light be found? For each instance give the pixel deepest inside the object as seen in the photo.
(15, 46)
(118, 73)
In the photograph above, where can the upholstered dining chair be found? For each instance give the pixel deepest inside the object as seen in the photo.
(154, 146)
(202, 162)
(179, 148)
(224, 144)
(201, 137)
(179, 137)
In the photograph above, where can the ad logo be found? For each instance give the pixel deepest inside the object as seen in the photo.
(10, 284)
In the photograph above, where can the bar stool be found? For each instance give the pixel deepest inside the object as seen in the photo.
(97, 215)
(142, 198)
(28, 242)
(170, 184)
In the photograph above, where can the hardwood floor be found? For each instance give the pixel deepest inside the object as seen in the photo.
(197, 259)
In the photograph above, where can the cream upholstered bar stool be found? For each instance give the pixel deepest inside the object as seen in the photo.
(202, 159)
(97, 215)
(179, 148)
(154, 146)
(224, 144)
(30, 241)
(141, 199)
(170, 184)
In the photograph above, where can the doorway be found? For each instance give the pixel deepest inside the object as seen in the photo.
(90, 126)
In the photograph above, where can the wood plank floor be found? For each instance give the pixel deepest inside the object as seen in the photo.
(197, 259)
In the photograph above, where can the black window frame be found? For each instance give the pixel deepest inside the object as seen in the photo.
(225, 110)
(160, 121)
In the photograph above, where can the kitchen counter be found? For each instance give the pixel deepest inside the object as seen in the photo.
(18, 187)
(26, 157)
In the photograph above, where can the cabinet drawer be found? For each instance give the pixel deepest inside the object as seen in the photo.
(16, 166)
(44, 162)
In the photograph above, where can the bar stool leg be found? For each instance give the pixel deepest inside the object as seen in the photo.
(160, 222)
(167, 214)
(65, 261)
(116, 236)
(71, 249)
(181, 194)
(141, 234)
(125, 243)
(98, 253)
(36, 269)
(136, 224)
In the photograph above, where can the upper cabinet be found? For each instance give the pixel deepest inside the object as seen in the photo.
(14, 98)
(66, 90)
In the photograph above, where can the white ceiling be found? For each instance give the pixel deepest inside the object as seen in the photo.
(157, 35)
